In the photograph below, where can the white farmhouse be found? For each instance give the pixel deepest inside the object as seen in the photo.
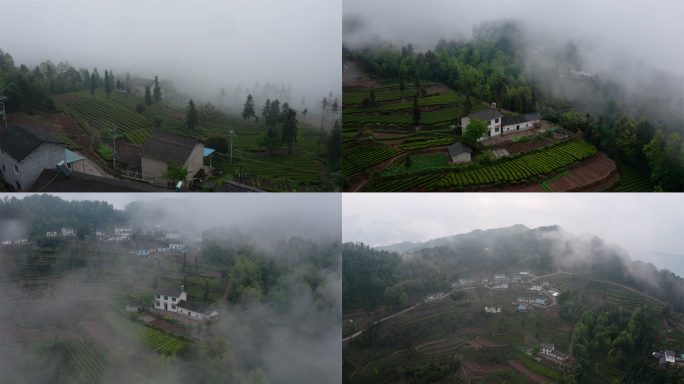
(196, 311)
(522, 122)
(491, 117)
(67, 231)
(524, 272)
(168, 298)
(175, 247)
(124, 228)
(173, 235)
(536, 288)
(549, 349)
(51, 234)
(499, 276)
(100, 232)
(504, 286)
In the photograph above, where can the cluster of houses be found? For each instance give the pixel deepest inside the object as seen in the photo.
(19, 240)
(533, 300)
(667, 357)
(549, 349)
(432, 296)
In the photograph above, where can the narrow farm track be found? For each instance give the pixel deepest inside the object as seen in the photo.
(398, 313)
(633, 290)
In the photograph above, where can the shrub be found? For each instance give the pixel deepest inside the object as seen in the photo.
(140, 108)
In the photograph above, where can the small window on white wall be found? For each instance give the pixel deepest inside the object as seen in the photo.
(16, 169)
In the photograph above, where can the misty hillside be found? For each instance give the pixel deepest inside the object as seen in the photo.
(433, 265)
(84, 283)
(627, 120)
(453, 241)
(266, 138)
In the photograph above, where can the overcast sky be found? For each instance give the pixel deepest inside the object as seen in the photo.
(308, 215)
(201, 45)
(638, 223)
(607, 32)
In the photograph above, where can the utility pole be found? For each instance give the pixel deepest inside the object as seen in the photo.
(231, 133)
(113, 147)
(2, 100)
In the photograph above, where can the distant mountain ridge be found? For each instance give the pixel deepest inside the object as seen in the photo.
(452, 241)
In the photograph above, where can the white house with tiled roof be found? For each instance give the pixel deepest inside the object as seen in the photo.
(168, 298)
(491, 117)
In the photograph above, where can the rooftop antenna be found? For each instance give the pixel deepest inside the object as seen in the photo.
(113, 147)
(2, 112)
(231, 133)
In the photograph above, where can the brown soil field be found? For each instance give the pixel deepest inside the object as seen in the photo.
(529, 188)
(595, 171)
(23, 120)
(66, 98)
(477, 330)
(490, 343)
(100, 331)
(534, 376)
(168, 326)
(356, 313)
(420, 346)
(565, 328)
(475, 344)
(527, 146)
(438, 351)
(10, 331)
(484, 369)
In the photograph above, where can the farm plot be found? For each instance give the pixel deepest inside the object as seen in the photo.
(149, 337)
(426, 118)
(539, 367)
(296, 167)
(87, 361)
(510, 171)
(13, 363)
(357, 97)
(358, 158)
(445, 99)
(633, 181)
(213, 283)
(599, 169)
(522, 167)
(428, 144)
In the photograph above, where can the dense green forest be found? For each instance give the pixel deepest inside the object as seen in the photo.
(642, 128)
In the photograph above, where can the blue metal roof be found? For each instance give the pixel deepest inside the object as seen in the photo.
(72, 156)
(208, 151)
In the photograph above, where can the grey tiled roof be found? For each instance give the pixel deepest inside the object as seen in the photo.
(51, 181)
(486, 115)
(195, 307)
(458, 148)
(234, 186)
(167, 292)
(20, 140)
(168, 147)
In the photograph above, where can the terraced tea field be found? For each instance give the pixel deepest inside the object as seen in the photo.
(633, 181)
(87, 361)
(136, 332)
(511, 171)
(359, 158)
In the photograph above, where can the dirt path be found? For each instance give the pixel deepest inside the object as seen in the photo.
(399, 313)
(633, 290)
